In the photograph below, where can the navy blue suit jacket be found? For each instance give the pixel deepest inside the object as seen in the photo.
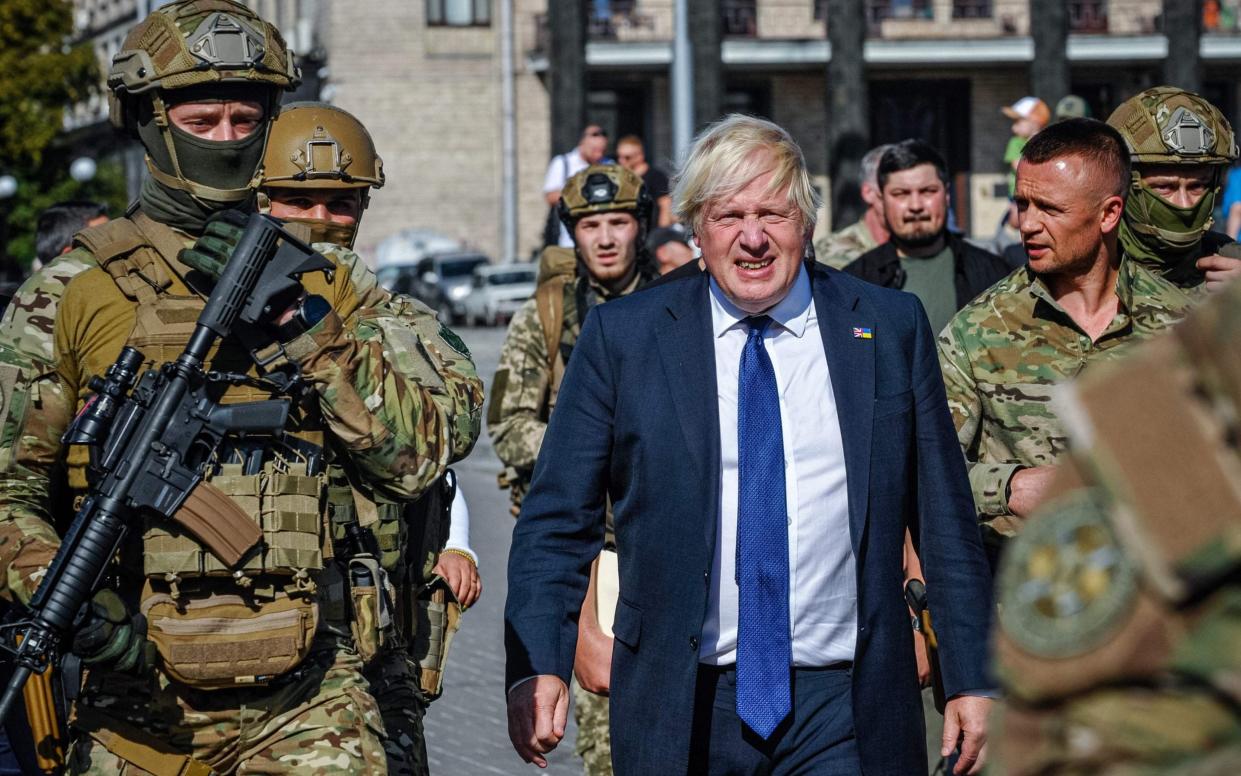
(637, 419)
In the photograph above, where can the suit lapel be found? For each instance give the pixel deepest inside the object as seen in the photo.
(687, 354)
(851, 366)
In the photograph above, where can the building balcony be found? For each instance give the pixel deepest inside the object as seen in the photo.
(900, 33)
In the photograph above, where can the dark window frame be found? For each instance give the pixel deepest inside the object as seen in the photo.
(480, 14)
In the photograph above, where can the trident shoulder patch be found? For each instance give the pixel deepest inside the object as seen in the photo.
(1066, 584)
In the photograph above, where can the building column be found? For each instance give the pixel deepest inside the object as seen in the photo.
(1049, 72)
(848, 108)
(1182, 23)
(706, 30)
(566, 72)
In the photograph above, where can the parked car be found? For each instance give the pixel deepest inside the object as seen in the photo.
(497, 291)
(443, 282)
(410, 246)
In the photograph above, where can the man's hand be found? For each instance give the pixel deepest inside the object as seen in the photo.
(1027, 487)
(462, 577)
(1219, 270)
(966, 715)
(537, 712)
(211, 253)
(592, 663)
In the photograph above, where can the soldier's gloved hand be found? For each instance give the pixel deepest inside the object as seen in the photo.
(210, 254)
(106, 634)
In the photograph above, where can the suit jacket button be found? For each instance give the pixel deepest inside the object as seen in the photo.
(693, 642)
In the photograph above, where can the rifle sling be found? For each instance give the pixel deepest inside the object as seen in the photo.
(219, 523)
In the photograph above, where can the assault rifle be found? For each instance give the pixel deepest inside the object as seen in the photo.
(152, 443)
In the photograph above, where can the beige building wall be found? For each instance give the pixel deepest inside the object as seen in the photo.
(431, 98)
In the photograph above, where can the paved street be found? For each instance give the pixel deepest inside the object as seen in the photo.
(466, 729)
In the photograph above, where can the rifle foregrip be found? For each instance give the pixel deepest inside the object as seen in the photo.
(76, 571)
(236, 285)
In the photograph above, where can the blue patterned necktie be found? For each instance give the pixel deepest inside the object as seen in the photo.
(764, 647)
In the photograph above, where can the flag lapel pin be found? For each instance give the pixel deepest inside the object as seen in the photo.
(861, 332)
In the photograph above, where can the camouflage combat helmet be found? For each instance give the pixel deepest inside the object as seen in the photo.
(316, 146)
(189, 44)
(1167, 125)
(605, 188)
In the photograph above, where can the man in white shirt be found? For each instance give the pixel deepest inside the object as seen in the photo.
(591, 149)
(761, 626)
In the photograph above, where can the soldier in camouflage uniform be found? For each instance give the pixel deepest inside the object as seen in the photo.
(1003, 354)
(841, 247)
(1182, 147)
(318, 171)
(1119, 635)
(143, 709)
(608, 211)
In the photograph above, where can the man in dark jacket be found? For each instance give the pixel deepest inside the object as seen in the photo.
(923, 257)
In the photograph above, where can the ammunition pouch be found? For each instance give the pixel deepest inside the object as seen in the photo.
(285, 502)
(226, 641)
(438, 616)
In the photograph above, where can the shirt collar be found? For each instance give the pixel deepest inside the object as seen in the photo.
(792, 312)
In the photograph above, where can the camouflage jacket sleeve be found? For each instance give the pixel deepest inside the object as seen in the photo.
(397, 390)
(515, 417)
(988, 481)
(34, 412)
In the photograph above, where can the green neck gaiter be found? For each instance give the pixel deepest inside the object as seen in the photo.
(228, 164)
(1160, 235)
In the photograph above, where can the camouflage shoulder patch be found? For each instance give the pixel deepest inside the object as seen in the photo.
(1066, 583)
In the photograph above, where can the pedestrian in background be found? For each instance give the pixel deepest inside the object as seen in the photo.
(670, 247)
(592, 148)
(870, 231)
(57, 225)
(632, 155)
(922, 256)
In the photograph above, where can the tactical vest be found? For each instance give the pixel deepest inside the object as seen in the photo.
(215, 626)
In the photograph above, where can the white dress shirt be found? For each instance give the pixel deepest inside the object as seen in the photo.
(822, 568)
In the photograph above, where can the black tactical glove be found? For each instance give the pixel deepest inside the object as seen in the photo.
(210, 254)
(106, 634)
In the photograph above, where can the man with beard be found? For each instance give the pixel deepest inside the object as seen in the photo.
(922, 256)
(1081, 300)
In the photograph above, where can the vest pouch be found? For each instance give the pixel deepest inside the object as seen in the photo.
(389, 528)
(285, 501)
(372, 621)
(438, 616)
(212, 641)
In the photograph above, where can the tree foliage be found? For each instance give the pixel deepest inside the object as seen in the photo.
(42, 73)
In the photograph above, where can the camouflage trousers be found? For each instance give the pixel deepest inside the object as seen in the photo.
(395, 687)
(594, 739)
(319, 719)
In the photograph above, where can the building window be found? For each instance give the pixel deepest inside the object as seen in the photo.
(1088, 16)
(459, 13)
(971, 9)
(740, 18)
(878, 10)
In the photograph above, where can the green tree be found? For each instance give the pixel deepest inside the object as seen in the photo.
(41, 73)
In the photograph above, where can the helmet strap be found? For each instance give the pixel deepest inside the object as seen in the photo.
(178, 181)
